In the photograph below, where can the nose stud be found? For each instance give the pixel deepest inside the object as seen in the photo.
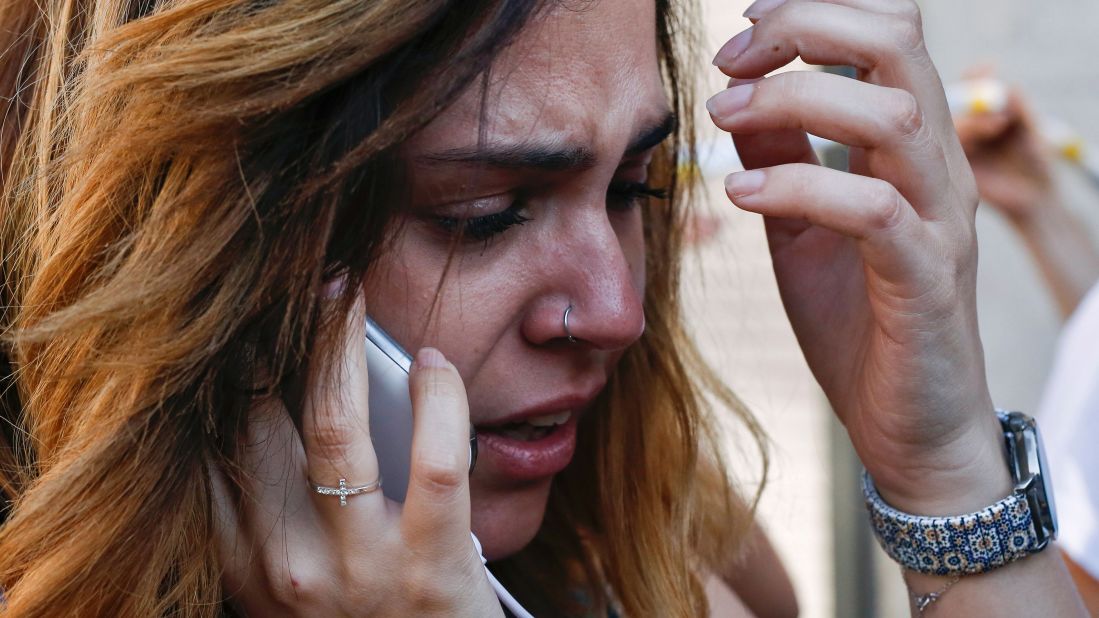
(568, 332)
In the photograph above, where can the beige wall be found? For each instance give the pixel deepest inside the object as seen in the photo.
(738, 318)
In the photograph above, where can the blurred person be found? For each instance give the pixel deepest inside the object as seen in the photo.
(203, 199)
(1014, 166)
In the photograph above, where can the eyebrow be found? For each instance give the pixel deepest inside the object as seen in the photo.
(549, 157)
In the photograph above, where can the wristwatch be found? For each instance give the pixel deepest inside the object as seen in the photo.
(1015, 527)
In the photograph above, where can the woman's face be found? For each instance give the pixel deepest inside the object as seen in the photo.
(547, 192)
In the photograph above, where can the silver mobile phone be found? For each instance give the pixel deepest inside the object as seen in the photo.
(391, 430)
(388, 365)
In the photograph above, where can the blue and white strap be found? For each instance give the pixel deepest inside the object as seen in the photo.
(961, 544)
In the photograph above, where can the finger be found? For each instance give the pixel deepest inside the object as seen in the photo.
(270, 532)
(761, 8)
(758, 150)
(436, 512)
(336, 430)
(1020, 110)
(235, 550)
(888, 48)
(888, 232)
(979, 71)
(769, 148)
(974, 130)
(886, 120)
(774, 147)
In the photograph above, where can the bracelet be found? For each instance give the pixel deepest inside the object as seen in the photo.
(922, 601)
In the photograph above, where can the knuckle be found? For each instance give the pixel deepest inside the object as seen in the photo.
(781, 93)
(905, 114)
(801, 179)
(783, 86)
(362, 583)
(886, 208)
(969, 192)
(438, 477)
(910, 11)
(442, 386)
(906, 34)
(330, 440)
(424, 585)
(435, 586)
(301, 589)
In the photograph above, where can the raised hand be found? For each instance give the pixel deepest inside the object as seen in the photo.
(876, 267)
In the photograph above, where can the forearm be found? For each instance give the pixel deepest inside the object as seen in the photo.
(1064, 251)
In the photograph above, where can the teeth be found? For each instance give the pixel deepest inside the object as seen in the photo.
(525, 432)
(549, 420)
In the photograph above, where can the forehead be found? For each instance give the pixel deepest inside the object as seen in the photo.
(580, 73)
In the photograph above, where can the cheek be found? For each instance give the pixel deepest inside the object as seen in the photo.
(474, 303)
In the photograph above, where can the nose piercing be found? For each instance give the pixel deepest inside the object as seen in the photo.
(568, 332)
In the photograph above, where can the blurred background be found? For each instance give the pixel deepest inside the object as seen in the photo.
(810, 507)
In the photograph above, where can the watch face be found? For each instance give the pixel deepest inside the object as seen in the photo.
(1036, 460)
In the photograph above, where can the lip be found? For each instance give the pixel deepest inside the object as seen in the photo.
(574, 403)
(523, 460)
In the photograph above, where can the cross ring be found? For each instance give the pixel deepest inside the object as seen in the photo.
(343, 491)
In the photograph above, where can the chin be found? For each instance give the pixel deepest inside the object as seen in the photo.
(506, 520)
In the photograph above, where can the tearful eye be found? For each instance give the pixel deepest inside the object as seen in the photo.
(623, 196)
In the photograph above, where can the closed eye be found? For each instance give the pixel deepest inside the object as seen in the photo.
(623, 196)
(486, 227)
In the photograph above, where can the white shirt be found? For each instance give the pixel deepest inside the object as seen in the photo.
(1069, 422)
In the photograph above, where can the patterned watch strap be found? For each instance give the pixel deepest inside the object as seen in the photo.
(962, 544)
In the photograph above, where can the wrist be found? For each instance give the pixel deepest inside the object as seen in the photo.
(969, 476)
(1032, 219)
(979, 540)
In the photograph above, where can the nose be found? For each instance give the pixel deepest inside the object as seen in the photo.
(597, 269)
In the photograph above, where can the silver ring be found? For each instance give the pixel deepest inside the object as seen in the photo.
(568, 332)
(343, 491)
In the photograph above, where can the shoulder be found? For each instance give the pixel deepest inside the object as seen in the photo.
(724, 602)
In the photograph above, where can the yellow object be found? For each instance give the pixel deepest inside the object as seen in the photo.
(980, 105)
(1073, 150)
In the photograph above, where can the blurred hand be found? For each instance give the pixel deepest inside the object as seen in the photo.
(1011, 162)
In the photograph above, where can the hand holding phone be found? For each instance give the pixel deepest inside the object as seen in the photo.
(391, 429)
(287, 547)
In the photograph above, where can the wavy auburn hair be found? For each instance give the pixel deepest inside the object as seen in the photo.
(177, 180)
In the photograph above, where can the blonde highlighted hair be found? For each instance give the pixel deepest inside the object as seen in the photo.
(177, 179)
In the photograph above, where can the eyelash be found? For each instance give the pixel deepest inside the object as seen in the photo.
(632, 194)
(487, 227)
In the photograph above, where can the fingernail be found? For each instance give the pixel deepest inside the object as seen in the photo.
(730, 101)
(734, 47)
(740, 184)
(759, 8)
(430, 357)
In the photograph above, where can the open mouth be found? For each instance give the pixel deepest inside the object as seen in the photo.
(530, 429)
